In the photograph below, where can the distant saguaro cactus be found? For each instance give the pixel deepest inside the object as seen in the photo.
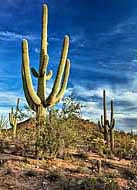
(38, 101)
(106, 126)
(13, 119)
(103, 124)
(111, 125)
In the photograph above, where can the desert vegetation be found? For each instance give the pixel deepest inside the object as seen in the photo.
(55, 148)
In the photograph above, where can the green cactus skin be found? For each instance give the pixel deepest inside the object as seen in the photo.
(13, 119)
(111, 125)
(103, 124)
(38, 100)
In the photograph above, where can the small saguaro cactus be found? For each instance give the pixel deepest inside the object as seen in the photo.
(103, 124)
(111, 125)
(13, 119)
(38, 100)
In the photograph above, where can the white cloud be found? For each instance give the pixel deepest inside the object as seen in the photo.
(12, 36)
(94, 108)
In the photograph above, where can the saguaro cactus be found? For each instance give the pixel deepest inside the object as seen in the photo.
(106, 126)
(103, 124)
(38, 101)
(111, 125)
(13, 119)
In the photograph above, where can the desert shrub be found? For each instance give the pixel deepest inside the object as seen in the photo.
(59, 131)
(53, 138)
(25, 113)
(125, 147)
(103, 183)
(70, 109)
(99, 145)
(132, 175)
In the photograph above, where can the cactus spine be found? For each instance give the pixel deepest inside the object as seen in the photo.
(38, 101)
(111, 125)
(13, 119)
(106, 126)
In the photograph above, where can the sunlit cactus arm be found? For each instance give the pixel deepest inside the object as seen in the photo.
(57, 84)
(65, 82)
(61, 67)
(26, 69)
(51, 100)
(28, 98)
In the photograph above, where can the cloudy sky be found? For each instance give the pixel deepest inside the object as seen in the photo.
(103, 52)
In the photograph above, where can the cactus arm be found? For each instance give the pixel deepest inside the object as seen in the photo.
(65, 81)
(102, 121)
(100, 127)
(49, 75)
(104, 106)
(28, 98)
(51, 100)
(112, 123)
(34, 72)
(60, 71)
(112, 120)
(26, 69)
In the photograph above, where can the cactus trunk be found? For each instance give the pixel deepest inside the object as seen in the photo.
(41, 115)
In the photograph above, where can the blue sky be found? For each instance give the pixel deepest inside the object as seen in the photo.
(103, 52)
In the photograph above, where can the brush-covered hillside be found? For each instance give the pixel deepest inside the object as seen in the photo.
(65, 153)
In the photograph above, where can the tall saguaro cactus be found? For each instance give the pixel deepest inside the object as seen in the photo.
(103, 124)
(38, 100)
(111, 125)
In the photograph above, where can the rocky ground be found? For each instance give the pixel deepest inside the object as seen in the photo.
(22, 173)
